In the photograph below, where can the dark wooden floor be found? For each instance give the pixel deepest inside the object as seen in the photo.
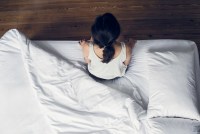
(71, 19)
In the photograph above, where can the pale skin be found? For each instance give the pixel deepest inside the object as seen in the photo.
(117, 46)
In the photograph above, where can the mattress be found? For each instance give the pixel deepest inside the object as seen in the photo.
(45, 88)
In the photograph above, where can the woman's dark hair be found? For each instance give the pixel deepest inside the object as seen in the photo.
(105, 31)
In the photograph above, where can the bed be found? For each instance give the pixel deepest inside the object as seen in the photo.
(45, 89)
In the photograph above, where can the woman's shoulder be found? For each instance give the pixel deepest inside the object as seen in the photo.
(118, 48)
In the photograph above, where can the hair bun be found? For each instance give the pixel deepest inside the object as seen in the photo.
(105, 31)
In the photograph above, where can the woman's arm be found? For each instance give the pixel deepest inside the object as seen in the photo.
(129, 46)
(85, 49)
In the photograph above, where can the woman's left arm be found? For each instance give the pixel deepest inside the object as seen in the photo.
(85, 50)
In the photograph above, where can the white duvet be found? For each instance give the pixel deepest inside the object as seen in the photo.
(45, 89)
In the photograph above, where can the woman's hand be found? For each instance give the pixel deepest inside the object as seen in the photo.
(85, 49)
(131, 42)
(82, 43)
(121, 38)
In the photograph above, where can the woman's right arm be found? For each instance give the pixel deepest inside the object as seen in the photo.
(129, 46)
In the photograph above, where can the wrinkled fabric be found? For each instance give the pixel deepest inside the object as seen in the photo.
(20, 109)
(45, 89)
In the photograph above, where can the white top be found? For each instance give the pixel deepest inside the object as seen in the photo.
(115, 68)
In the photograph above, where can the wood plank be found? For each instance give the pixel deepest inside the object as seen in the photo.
(72, 19)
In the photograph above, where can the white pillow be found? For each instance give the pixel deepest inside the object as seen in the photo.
(172, 81)
(172, 126)
(137, 71)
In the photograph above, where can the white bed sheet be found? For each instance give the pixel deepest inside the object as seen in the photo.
(20, 109)
(73, 101)
(62, 98)
(71, 51)
(68, 100)
(136, 84)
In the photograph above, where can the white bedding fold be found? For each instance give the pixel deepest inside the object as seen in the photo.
(72, 100)
(20, 111)
(45, 89)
